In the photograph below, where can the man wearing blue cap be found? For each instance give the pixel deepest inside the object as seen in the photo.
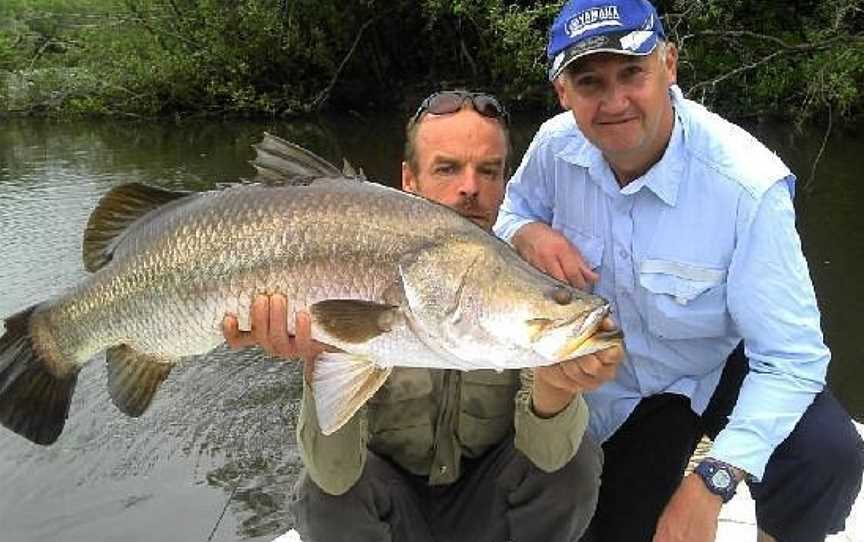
(685, 223)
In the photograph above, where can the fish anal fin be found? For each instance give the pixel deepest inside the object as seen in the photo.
(341, 384)
(134, 377)
(354, 320)
(115, 212)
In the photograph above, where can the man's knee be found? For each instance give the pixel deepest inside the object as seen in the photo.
(827, 442)
(578, 482)
(354, 515)
(813, 478)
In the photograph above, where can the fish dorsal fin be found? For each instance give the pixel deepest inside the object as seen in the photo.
(353, 320)
(349, 170)
(281, 162)
(133, 378)
(116, 211)
(341, 384)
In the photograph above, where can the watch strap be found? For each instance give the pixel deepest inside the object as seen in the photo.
(719, 478)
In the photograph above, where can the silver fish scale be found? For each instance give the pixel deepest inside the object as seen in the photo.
(173, 278)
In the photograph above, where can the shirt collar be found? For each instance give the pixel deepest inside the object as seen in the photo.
(663, 179)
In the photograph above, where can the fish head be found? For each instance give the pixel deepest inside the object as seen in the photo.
(484, 303)
(545, 316)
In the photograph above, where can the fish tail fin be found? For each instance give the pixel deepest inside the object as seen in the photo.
(341, 384)
(34, 399)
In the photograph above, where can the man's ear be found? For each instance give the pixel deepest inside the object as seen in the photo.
(558, 83)
(671, 63)
(409, 180)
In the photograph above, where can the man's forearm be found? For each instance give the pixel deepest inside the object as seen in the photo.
(547, 401)
(549, 443)
(334, 462)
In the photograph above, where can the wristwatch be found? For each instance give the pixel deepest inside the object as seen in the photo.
(719, 478)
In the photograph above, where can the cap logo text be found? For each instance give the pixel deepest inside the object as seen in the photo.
(591, 19)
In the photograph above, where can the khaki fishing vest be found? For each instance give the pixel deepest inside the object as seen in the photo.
(426, 419)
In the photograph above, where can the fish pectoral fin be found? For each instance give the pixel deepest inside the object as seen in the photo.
(116, 211)
(341, 384)
(354, 320)
(134, 377)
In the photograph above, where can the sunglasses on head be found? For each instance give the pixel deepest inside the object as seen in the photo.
(451, 101)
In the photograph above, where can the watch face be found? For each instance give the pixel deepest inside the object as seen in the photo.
(721, 479)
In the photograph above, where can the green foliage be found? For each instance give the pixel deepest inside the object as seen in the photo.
(279, 57)
(794, 59)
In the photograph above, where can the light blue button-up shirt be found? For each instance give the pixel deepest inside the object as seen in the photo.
(695, 255)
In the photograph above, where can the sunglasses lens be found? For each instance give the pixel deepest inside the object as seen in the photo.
(444, 103)
(488, 106)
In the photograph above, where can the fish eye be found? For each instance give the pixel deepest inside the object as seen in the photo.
(562, 296)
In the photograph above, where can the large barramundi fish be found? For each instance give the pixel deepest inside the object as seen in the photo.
(390, 279)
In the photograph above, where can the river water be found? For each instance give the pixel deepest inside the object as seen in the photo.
(215, 458)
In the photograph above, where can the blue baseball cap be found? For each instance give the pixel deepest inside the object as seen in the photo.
(584, 27)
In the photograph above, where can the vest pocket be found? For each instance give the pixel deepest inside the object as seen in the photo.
(486, 409)
(400, 415)
(477, 434)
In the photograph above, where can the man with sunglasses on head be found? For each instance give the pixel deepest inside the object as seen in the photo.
(685, 223)
(445, 455)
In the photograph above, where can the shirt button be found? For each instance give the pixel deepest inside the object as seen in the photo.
(442, 469)
(623, 254)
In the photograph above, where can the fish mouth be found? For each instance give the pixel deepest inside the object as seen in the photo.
(587, 340)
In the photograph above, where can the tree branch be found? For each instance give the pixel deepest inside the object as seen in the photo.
(739, 34)
(787, 49)
(810, 184)
(324, 95)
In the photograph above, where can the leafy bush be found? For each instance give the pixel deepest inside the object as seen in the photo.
(283, 57)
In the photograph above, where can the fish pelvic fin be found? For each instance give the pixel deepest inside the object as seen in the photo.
(115, 212)
(354, 320)
(134, 378)
(280, 162)
(341, 384)
(34, 395)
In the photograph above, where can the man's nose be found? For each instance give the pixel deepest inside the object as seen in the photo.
(469, 183)
(615, 98)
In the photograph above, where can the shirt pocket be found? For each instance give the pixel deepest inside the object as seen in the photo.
(589, 246)
(684, 301)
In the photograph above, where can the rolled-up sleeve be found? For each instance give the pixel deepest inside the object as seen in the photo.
(334, 462)
(772, 301)
(549, 443)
